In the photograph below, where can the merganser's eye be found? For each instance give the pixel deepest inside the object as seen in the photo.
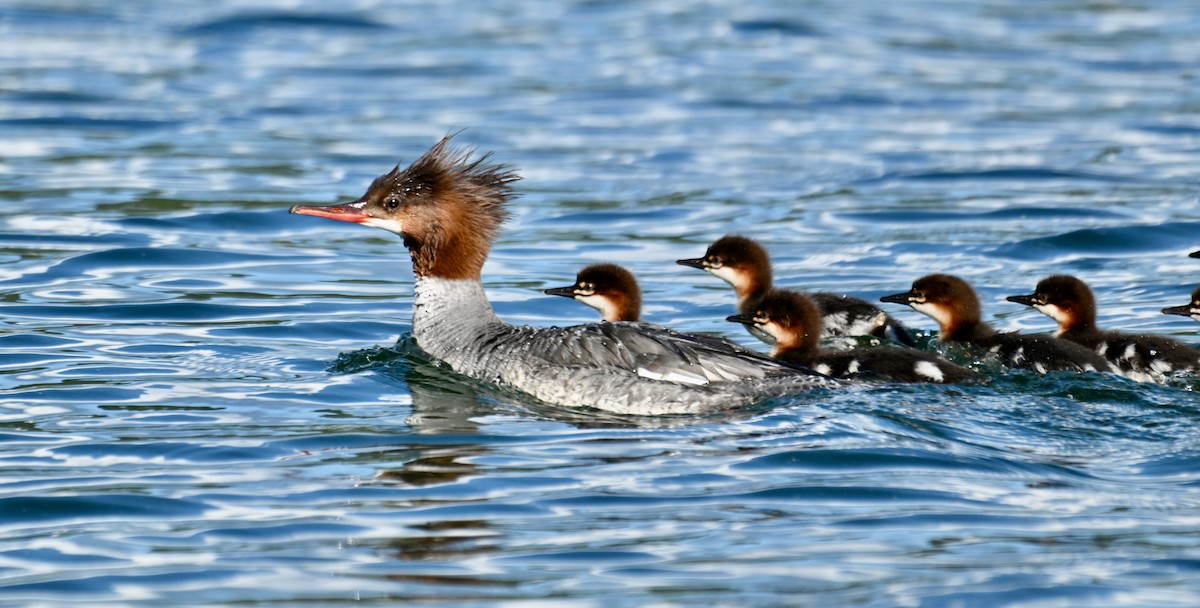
(588, 287)
(391, 204)
(715, 262)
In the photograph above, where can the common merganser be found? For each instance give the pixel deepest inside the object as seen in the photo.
(448, 207)
(793, 320)
(744, 263)
(952, 302)
(608, 288)
(1187, 310)
(1071, 303)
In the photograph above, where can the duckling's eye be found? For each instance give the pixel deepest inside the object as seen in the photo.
(588, 287)
(918, 295)
(715, 262)
(391, 204)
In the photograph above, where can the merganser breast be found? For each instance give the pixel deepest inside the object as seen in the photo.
(746, 266)
(448, 207)
(1143, 357)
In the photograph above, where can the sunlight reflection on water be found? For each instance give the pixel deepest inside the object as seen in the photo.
(205, 399)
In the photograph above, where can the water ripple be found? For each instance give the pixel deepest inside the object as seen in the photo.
(246, 23)
(1122, 240)
(206, 400)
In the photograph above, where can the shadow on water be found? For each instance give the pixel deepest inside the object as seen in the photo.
(442, 402)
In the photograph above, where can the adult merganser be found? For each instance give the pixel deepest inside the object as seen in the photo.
(1187, 310)
(951, 302)
(793, 320)
(745, 264)
(608, 288)
(1070, 302)
(448, 208)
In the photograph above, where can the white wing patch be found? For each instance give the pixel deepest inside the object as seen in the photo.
(1130, 353)
(1160, 366)
(676, 376)
(720, 374)
(823, 369)
(836, 323)
(929, 370)
(1018, 356)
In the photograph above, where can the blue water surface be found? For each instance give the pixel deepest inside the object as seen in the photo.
(203, 399)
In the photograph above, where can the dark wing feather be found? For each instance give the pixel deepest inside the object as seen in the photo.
(1030, 351)
(1145, 353)
(654, 351)
(846, 310)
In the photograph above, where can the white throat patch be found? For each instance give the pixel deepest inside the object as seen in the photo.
(771, 328)
(393, 226)
(1059, 315)
(937, 312)
(607, 307)
(730, 275)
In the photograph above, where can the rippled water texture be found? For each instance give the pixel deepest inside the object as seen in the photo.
(203, 400)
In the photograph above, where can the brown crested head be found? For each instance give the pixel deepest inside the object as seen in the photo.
(448, 206)
(741, 262)
(615, 284)
(608, 288)
(1064, 298)
(948, 300)
(790, 317)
